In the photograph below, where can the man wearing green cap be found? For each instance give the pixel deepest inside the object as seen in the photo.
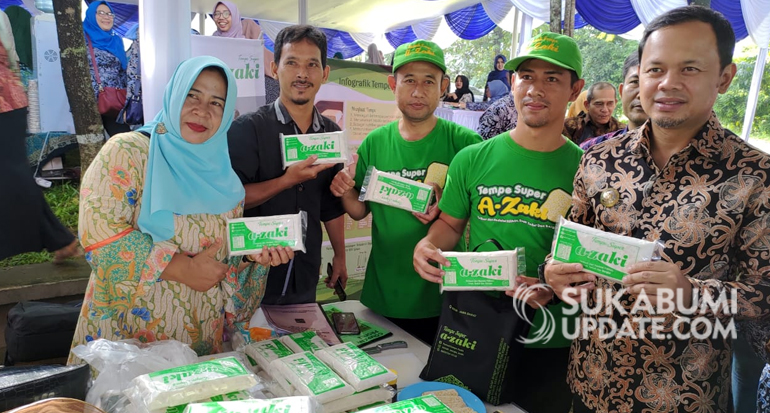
(513, 188)
(419, 146)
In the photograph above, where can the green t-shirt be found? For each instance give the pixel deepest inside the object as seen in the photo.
(515, 196)
(392, 288)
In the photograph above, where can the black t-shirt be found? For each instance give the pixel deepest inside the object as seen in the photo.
(255, 153)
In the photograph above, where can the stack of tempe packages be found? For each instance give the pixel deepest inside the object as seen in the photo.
(340, 378)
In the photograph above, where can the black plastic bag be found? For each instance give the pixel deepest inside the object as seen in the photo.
(477, 346)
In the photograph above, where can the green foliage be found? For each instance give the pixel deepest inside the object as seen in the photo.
(603, 55)
(731, 106)
(474, 58)
(63, 200)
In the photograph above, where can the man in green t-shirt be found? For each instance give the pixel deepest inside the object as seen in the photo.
(513, 188)
(420, 147)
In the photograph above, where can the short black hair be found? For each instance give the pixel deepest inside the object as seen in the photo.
(599, 86)
(298, 33)
(631, 62)
(721, 26)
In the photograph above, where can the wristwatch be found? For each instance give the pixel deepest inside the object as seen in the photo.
(541, 278)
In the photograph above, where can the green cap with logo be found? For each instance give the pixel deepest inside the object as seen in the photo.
(419, 51)
(554, 48)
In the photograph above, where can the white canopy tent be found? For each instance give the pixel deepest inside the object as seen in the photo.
(164, 31)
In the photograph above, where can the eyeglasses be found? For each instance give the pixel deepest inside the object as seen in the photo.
(105, 14)
(222, 14)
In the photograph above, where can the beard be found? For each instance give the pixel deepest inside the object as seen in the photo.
(535, 123)
(300, 101)
(668, 123)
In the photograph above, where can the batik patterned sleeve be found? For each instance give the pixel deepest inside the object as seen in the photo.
(125, 261)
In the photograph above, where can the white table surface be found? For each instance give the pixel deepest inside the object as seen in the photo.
(467, 118)
(407, 362)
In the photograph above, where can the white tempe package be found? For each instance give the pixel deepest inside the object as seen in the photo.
(249, 235)
(355, 366)
(602, 253)
(186, 384)
(264, 352)
(304, 341)
(311, 377)
(287, 404)
(482, 271)
(360, 399)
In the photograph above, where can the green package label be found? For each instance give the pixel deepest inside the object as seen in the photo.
(318, 377)
(363, 366)
(608, 256)
(265, 232)
(478, 272)
(325, 146)
(306, 340)
(428, 404)
(411, 196)
(272, 349)
(238, 395)
(285, 405)
(181, 377)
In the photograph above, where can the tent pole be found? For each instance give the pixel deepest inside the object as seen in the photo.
(202, 23)
(515, 33)
(164, 33)
(302, 4)
(756, 82)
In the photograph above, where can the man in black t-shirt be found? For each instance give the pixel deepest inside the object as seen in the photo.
(300, 67)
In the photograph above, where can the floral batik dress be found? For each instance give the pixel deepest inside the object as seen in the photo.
(126, 296)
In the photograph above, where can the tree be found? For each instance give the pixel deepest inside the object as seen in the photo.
(731, 106)
(77, 80)
(475, 58)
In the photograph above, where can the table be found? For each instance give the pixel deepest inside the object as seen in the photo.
(407, 362)
(467, 118)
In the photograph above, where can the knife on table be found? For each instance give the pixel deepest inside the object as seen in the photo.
(379, 348)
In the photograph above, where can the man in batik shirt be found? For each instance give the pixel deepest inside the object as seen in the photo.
(704, 194)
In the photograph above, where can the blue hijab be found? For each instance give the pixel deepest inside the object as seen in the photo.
(497, 90)
(181, 177)
(100, 39)
(133, 32)
(501, 75)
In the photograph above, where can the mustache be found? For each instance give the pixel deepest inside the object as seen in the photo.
(540, 101)
(301, 82)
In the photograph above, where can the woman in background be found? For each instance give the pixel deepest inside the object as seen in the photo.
(110, 57)
(26, 221)
(131, 114)
(462, 91)
(499, 73)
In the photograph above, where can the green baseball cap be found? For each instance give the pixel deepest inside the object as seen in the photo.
(419, 51)
(554, 48)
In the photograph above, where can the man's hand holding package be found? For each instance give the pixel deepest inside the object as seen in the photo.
(344, 181)
(426, 253)
(567, 280)
(653, 277)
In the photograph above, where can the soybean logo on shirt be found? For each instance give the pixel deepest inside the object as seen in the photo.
(518, 200)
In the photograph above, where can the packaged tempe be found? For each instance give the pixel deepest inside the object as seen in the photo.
(304, 341)
(389, 189)
(185, 384)
(283, 405)
(602, 253)
(369, 397)
(482, 271)
(249, 235)
(238, 395)
(264, 352)
(311, 377)
(422, 404)
(329, 147)
(355, 366)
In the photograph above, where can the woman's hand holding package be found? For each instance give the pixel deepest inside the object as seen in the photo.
(273, 256)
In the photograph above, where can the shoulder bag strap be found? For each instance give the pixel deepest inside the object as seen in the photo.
(93, 63)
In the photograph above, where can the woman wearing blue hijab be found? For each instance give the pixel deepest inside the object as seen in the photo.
(499, 73)
(110, 56)
(153, 211)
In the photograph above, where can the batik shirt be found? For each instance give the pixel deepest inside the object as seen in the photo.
(709, 207)
(500, 117)
(111, 73)
(126, 295)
